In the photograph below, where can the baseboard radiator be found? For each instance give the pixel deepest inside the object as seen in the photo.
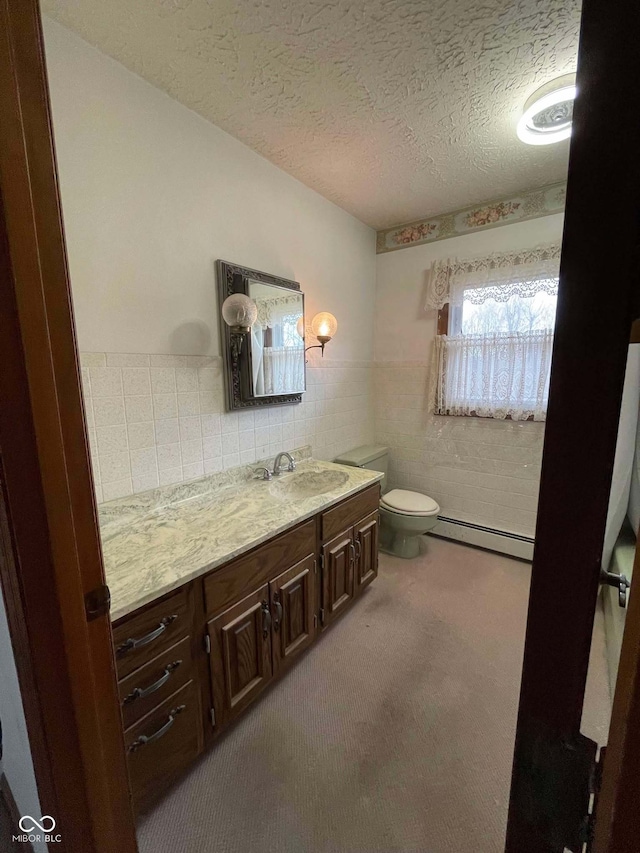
(501, 541)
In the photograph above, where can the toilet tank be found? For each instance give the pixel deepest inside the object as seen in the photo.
(371, 456)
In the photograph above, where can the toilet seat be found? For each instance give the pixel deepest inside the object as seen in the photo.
(405, 502)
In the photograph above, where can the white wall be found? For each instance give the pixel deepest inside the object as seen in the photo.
(479, 470)
(16, 761)
(152, 195)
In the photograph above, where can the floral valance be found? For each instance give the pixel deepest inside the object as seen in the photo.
(528, 270)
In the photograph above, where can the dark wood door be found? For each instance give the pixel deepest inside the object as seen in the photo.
(553, 761)
(240, 654)
(338, 559)
(366, 539)
(293, 608)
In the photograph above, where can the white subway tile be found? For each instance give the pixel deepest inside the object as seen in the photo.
(108, 411)
(193, 470)
(210, 424)
(212, 446)
(117, 489)
(143, 462)
(105, 381)
(191, 451)
(163, 380)
(136, 381)
(186, 379)
(167, 431)
(188, 404)
(138, 409)
(169, 456)
(141, 435)
(114, 467)
(190, 428)
(170, 476)
(111, 439)
(165, 406)
(121, 359)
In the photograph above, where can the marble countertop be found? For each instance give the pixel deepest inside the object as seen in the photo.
(156, 542)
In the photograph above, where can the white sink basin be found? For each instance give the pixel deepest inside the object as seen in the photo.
(307, 484)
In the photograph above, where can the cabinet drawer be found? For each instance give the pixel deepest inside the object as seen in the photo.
(154, 682)
(162, 744)
(226, 586)
(141, 637)
(349, 512)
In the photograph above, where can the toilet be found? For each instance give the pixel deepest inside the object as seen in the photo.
(405, 516)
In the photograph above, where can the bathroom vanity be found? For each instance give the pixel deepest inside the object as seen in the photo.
(217, 589)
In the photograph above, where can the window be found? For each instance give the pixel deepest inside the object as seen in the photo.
(492, 354)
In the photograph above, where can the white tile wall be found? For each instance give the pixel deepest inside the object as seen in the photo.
(159, 419)
(480, 470)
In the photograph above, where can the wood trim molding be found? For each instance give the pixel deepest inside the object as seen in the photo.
(6, 795)
(50, 548)
(618, 814)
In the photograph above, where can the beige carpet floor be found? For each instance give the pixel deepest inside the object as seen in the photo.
(394, 733)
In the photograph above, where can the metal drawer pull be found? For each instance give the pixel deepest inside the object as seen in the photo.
(131, 644)
(352, 548)
(266, 620)
(143, 740)
(278, 605)
(143, 692)
(358, 550)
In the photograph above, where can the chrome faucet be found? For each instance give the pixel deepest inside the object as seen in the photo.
(262, 473)
(276, 465)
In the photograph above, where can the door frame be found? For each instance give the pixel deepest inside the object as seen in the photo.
(593, 327)
(50, 555)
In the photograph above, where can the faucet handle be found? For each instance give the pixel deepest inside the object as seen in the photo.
(292, 465)
(262, 473)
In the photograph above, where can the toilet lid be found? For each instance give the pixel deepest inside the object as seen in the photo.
(412, 503)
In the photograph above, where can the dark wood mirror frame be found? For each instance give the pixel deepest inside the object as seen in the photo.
(233, 278)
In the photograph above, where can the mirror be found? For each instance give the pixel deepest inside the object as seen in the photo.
(266, 366)
(277, 341)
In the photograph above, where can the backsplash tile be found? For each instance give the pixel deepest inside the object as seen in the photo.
(480, 470)
(157, 420)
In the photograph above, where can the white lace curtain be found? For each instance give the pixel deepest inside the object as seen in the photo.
(272, 311)
(493, 376)
(512, 272)
(501, 372)
(283, 370)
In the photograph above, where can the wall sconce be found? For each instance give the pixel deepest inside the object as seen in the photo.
(324, 326)
(239, 313)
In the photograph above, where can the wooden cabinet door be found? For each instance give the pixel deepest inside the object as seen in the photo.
(366, 540)
(338, 558)
(240, 654)
(293, 609)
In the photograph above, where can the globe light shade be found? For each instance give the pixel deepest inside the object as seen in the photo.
(300, 327)
(324, 326)
(239, 312)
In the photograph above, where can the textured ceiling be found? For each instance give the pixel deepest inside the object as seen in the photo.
(393, 109)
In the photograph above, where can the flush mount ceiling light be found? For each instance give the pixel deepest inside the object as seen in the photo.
(548, 113)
